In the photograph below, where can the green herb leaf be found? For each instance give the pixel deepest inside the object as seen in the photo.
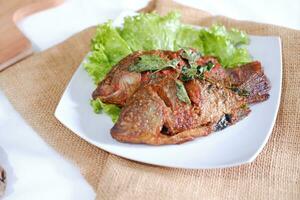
(193, 70)
(148, 63)
(189, 73)
(205, 68)
(190, 55)
(173, 63)
(181, 92)
(152, 63)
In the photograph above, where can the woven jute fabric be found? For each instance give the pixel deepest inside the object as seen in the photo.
(34, 87)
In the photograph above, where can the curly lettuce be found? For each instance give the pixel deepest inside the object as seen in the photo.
(98, 65)
(113, 45)
(151, 31)
(148, 31)
(188, 36)
(111, 110)
(227, 46)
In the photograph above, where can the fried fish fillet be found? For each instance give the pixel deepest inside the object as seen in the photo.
(154, 115)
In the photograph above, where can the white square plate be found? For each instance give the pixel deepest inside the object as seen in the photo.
(238, 144)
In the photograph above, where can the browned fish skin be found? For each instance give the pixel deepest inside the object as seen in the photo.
(141, 119)
(154, 115)
(249, 77)
(258, 87)
(144, 116)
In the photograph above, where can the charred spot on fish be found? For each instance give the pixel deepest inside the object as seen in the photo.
(165, 130)
(244, 106)
(225, 121)
(228, 118)
(234, 89)
(209, 87)
(243, 93)
(267, 96)
(240, 92)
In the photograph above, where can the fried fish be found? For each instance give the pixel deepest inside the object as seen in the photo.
(154, 115)
(190, 96)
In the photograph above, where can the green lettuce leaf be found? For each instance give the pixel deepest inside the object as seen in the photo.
(110, 109)
(148, 31)
(181, 92)
(187, 36)
(238, 37)
(225, 45)
(97, 65)
(113, 45)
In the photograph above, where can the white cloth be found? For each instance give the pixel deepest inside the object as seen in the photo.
(35, 170)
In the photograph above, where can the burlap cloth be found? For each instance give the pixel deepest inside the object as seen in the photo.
(35, 85)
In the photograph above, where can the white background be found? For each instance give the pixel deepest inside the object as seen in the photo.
(35, 170)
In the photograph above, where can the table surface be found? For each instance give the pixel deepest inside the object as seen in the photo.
(35, 170)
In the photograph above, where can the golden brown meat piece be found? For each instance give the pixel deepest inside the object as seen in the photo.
(154, 115)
